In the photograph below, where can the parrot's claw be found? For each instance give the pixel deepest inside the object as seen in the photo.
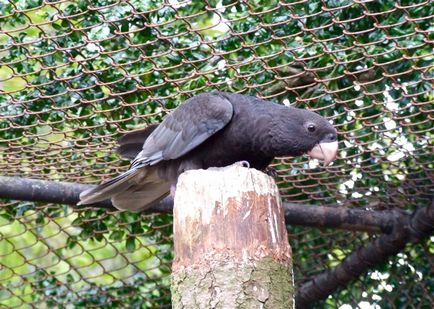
(270, 171)
(243, 164)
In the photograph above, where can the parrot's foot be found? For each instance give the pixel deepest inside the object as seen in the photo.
(270, 171)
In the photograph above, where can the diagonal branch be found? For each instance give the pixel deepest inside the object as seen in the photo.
(297, 214)
(407, 229)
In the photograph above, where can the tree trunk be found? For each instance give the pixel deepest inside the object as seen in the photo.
(231, 244)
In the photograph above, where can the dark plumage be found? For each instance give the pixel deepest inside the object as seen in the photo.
(211, 130)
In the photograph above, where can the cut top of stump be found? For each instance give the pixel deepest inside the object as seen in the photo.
(228, 212)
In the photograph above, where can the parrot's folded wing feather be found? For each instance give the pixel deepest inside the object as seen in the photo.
(185, 128)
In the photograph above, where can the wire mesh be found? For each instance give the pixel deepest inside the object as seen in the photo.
(76, 75)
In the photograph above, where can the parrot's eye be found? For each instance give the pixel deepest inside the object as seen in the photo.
(311, 127)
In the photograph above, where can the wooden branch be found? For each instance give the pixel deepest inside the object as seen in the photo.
(230, 241)
(340, 217)
(34, 190)
(406, 229)
(59, 192)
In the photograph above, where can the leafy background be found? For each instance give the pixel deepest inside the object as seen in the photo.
(76, 75)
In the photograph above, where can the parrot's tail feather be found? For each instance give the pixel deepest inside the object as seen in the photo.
(132, 143)
(110, 188)
(138, 199)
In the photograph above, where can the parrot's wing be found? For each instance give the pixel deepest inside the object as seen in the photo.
(185, 128)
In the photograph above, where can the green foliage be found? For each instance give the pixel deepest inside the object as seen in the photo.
(56, 293)
(75, 75)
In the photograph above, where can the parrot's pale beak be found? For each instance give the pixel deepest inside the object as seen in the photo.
(326, 152)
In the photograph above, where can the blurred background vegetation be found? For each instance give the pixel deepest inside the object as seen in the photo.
(76, 75)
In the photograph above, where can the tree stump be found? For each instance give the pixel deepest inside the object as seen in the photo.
(231, 244)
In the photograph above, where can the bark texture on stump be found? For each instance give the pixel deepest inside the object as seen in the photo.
(231, 244)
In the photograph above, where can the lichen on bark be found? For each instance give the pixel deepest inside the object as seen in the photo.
(263, 283)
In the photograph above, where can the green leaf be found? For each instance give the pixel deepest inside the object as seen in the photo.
(130, 244)
(117, 235)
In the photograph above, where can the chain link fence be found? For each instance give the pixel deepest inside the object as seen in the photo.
(76, 75)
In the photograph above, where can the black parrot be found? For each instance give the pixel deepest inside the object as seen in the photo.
(211, 130)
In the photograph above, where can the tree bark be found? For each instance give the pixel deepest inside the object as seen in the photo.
(333, 216)
(231, 244)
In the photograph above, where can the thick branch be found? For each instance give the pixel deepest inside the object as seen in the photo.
(25, 189)
(339, 217)
(34, 190)
(406, 229)
(58, 192)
